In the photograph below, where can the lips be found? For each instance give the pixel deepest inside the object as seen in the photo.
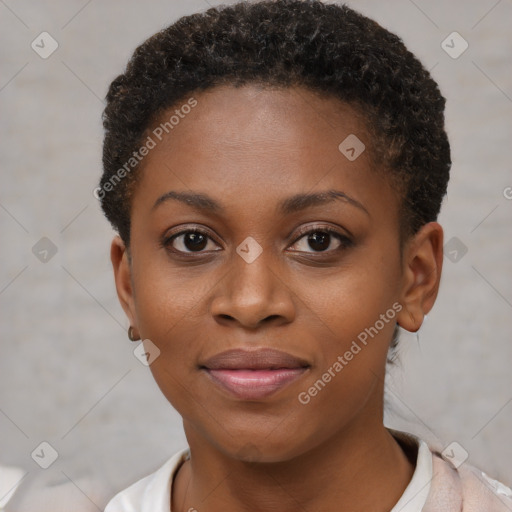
(254, 374)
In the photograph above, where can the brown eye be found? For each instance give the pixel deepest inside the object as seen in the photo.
(190, 241)
(321, 240)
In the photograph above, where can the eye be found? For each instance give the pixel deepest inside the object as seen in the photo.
(321, 240)
(315, 240)
(189, 241)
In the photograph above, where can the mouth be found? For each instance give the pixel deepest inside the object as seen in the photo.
(254, 374)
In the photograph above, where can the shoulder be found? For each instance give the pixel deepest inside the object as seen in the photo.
(449, 482)
(151, 493)
(460, 486)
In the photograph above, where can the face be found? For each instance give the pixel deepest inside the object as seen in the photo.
(251, 229)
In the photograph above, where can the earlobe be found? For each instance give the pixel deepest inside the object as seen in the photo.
(423, 260)
(123, 280)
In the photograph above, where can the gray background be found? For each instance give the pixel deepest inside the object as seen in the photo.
(68, 373)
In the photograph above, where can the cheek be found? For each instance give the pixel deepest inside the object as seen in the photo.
(348, 301)
(166, 297)
(355, 313)
(353, 340)
(169, 304)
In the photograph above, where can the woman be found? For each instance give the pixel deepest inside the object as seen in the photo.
(275, 171)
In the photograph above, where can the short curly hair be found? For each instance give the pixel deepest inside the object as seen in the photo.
(325, 48)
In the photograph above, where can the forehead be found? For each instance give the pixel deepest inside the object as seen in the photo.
(259, 117)
(263, 142)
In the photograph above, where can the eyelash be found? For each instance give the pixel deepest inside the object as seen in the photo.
(345, 241)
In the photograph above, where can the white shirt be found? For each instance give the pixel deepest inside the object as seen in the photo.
(153, 492)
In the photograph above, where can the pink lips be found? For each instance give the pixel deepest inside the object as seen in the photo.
(254, 374)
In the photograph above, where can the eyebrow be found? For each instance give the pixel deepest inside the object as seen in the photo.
(290, 205)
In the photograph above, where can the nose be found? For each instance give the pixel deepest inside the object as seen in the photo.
(252, 295)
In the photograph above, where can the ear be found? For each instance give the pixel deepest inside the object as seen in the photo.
(123, 279)
(422, 265)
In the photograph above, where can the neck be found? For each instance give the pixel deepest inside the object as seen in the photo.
(354, 473)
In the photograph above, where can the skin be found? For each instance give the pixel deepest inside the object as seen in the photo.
(249, 149)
